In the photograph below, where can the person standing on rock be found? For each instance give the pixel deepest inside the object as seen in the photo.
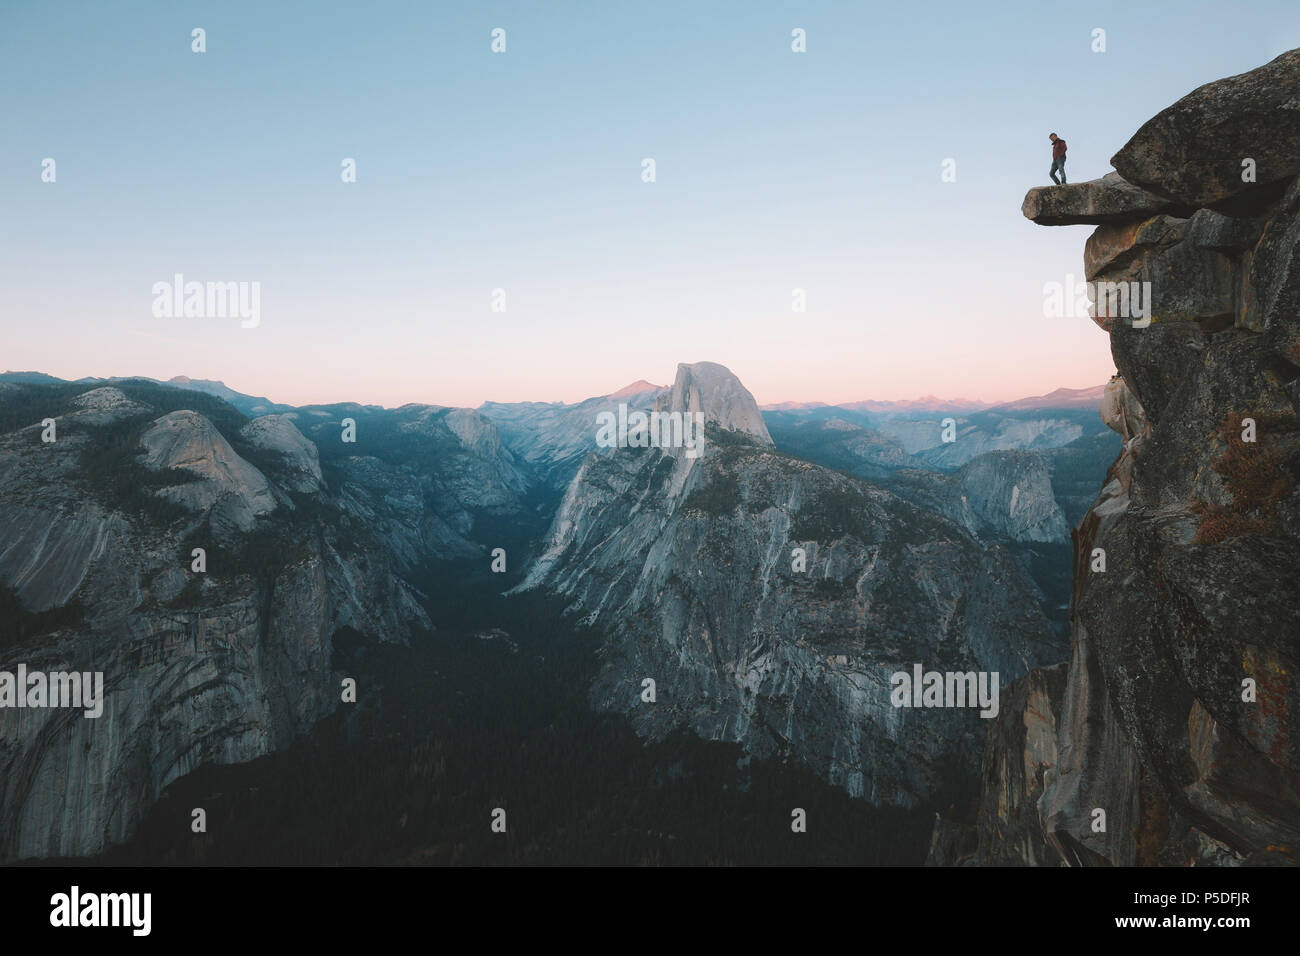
(1058, 159)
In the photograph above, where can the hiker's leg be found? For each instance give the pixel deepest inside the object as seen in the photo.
(1053, 174)
(1062, 170)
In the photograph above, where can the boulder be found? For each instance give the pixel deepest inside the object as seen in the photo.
(1098, 201)
(1121, 410)
(1193, 150)
(1208, 229)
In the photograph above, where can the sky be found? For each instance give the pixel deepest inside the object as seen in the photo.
(522, 171)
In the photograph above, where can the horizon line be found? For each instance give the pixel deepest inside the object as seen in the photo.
(972, 404)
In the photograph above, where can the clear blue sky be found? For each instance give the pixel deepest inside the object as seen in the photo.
(522, 171)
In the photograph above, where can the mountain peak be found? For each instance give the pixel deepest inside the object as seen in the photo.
(1060, 398)
(639, 387)
(187, 440)
(715, 391)
(211, 386)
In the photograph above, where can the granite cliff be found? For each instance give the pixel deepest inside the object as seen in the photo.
(97, 535)
(1175, 713)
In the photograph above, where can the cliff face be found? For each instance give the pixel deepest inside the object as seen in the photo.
(97, 530)
(1177, 716)
(1001, 494)
(420, 477)
(691, 567)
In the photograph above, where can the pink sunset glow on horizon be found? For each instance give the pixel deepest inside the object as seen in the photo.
(572, 385)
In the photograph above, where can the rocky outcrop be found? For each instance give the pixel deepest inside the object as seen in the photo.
(1177, 715)
(478, 435)
(220, 478)
(1010, 494)
(1122, 412)
(1194, 151)
(103, 405)
(300, 459)
(1109, 199)
(1005, 495)
(710, 390)
(770, 600)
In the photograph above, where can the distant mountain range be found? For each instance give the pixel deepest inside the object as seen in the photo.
(1061, 398)
(248, 404)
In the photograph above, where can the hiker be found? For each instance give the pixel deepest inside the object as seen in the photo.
(1058, 159)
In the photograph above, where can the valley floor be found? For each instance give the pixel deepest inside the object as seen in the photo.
(456, 725)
